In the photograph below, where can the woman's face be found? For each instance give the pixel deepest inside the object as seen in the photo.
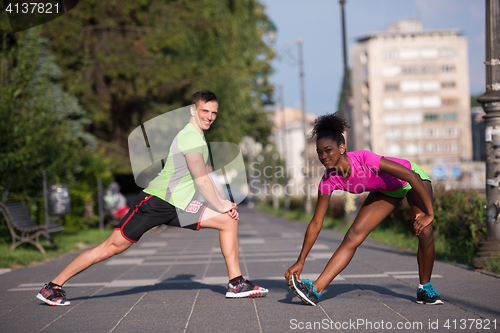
(329, 152)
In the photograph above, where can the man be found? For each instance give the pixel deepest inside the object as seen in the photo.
(168, 200)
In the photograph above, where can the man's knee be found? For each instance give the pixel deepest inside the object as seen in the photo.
(110, 247)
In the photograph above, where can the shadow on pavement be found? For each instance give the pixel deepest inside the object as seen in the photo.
(184, 282)
(338, 289)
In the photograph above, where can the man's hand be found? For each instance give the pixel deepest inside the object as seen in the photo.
(227, 206)
(233, 213)
(294, 269)
(422, 220)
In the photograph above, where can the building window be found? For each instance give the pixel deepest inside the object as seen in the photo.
(411, 149)
(413, 118)
(447, 53)
(410, 70)
(448, 84)
(429, 69)
(393, 134)
(409, 86)
(364, 89)
(450, 116)
(429, 53)
(412, 133)
(393, 119)
(389, 71)
(431, 133)
(393, 150)
(432, 148)
(391, 87)
(448, 69)
(408, 54)
(430, 85)
(392, 54)
(450, 101)
(451, 147)
(392, 103)
(363, 58)
(411, 102)
(451, 132)
(431, 117)
(431, 101)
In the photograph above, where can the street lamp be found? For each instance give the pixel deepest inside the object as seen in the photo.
(351, 205)
(284, 142)
(307, 204)
(491, 105)
(271, 36)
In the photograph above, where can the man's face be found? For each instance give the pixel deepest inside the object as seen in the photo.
(207, 112)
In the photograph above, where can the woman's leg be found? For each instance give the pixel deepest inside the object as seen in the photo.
(426, 251)
(375, 208)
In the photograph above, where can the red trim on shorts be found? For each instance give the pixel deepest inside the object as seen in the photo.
(201, 215)
(123, 235)
(130, 216)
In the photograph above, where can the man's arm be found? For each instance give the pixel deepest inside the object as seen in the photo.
(204, 182)
(217, 186)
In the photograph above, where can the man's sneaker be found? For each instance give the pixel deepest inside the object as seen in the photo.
(304, 290)
(245, 288)
(53, 295)
(428, 295)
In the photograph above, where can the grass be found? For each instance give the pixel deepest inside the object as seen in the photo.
(67, 241)
(386, 235)
(493, 264)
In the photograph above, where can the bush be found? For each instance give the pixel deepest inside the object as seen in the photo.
(459, 222)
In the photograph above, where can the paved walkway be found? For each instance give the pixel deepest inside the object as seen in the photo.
(174, 280)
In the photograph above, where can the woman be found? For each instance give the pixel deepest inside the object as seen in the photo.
(389, 180)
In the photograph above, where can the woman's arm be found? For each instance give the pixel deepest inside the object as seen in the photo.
(311, 234)
(399, 171)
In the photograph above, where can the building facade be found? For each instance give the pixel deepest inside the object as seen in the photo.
(411, 94)
(289, 141)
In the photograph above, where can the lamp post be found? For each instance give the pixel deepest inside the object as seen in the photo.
(351, 204)
(271, 36)
(284, 142)
(307, 203)
(491, 105)
(346, 86)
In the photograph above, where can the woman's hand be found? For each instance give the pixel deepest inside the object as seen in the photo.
(294, 269)
(422, 220)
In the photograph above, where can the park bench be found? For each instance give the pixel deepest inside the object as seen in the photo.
(23, 229)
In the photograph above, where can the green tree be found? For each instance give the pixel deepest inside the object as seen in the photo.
(41, 124)
(129, 61)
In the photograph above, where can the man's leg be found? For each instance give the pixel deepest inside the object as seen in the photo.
(238, 287)
(52, 292)
(228, 237)
(115, 244)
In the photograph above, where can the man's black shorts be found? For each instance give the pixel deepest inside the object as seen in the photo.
(149, 211)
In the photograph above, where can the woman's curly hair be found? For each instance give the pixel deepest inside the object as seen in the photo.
(330, 126)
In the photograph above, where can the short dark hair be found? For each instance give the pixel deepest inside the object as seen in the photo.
(330, 126)
(204, 95)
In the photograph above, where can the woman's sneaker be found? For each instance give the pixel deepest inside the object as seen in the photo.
(304, 290)
(53, 295)
(245, 288)
(428, 295)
